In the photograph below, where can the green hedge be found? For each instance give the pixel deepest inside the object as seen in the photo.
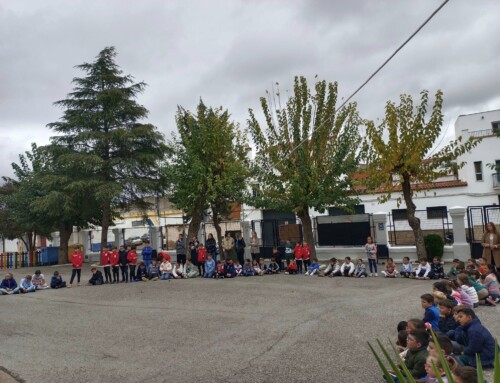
(434, 245)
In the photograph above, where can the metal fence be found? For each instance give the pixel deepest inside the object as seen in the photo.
(401, 234)
(17, 260)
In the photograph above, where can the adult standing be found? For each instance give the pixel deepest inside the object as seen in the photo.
(180, 249)
(240, 248)
(491, 245)
(211, 246)
(255, 246)
(228, 245)
(193, 248)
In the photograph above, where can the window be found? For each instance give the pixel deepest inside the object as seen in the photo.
(495, 127)
(357, 209)
(399, 215)
(436, 212)
(478, 169)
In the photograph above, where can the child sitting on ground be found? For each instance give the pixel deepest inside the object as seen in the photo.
(229, 270)
(333, 268)
(483, 267)
(462, 298)
(165, 269)
(390, 269)
(191, 270)
(238, 268)
(142, 273)
(430, 363)
(417, 353)
(247, 270)
(9, 285)
(466, 286)
(178, 271)
(219, 273)
(464, 374)
(26, 285)
(38, 280)
(423, 269)
(452, 274)
(407, 269)
(273, 267)
(56, 282)
(97, 279)
(292, 267)
(209, 267)
(360, 269)
(313, 268)
(431, 312)
(471, 265)
(437, 269)
(446, 321)
(153, 270)
(347, 268)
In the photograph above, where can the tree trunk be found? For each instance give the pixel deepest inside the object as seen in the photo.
(106, 214)
(218, 230)
(65, 231)
(196, 218)
(307, 230)
(412, 220)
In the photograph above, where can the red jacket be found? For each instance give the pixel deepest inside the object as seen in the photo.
(114, 258)
(165, 255)
(306, 252)
(292, 266)
(77, 260)
(297, 251)
(202, 254)
(132, 257)
(105, 258)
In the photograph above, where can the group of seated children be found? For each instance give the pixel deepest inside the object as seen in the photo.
(449, 312)
(29, 284)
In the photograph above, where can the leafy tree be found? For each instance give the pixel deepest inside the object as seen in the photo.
(109, 149)
(208, 165)
(305, 152)
(398, 157)
(18, 196)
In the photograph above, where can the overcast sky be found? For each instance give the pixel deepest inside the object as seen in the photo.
(229, 52)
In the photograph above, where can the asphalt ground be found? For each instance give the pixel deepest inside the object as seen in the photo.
(258, 329)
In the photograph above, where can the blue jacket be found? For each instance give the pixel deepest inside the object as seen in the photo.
(147, 253)
(56, 281)
(432, 316)
(8, 284)
(141, 272)
(26, 284)
(313, 266)
(229, 269)
(210, 266)
(476, 339)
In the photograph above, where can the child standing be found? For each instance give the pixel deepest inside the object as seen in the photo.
(306, 254)
(407, 268)
(114, 260)
(123, 261)
(132, 262)
(105, 262)
(76, 263)
(202, 258)
(371, 252)
(297, 251)
(288, 251)
(360, 269)
(390, 269)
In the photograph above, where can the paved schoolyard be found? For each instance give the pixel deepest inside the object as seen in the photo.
(258, 329)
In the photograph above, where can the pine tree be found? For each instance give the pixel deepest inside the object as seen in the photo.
(102, 137)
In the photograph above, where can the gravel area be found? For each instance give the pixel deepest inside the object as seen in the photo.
(258, 329)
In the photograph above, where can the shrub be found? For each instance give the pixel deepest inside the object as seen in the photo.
(434, 245)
